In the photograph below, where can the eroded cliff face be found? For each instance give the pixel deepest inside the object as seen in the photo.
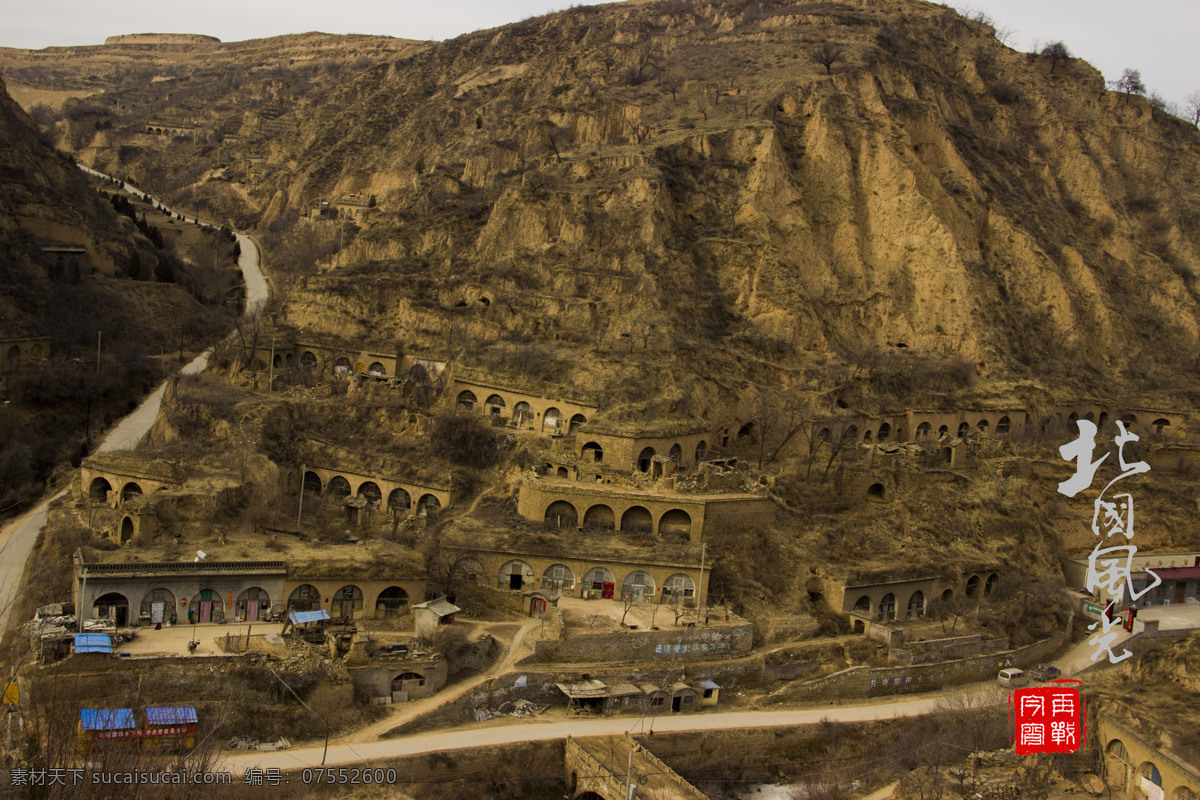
(691, 167)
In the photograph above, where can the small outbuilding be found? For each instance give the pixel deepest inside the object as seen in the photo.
(710, 692)
(683, 698)
(432, 613)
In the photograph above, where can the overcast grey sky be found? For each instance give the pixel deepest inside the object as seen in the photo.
(1157, 37)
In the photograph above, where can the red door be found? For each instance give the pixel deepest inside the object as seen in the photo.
(608, 591)
(538, 606)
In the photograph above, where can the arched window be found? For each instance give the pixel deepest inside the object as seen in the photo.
(159, 606)
(876, 491)
(1002, 425)
(923, 430)
(551, 420)
(338, 487)
(637, 519)
(1160, 426)
(982, 426)
(377, 369)
(963, 430)
(252, 604)
(304, 598)
(885, 431)
(130, 490)
(428, 503)
(990, 585)
(558, 578)
(592, 452)
(114, 606)
(943, 432)
(676, 453)
(494, 405)
(637, 585)
(308, 360)
(523, 413)
(916, 605)
(701, 449)
(645, 459)
(887, 608)
(341, 366)
(850, 434)
(972, 585)
(863, 605)
(468, 568)
(576, 421)
(466, 400)
(678, 588)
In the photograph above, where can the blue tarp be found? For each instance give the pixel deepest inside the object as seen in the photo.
(107, 720)
(170, 715)
(93, 643)
(302, 617)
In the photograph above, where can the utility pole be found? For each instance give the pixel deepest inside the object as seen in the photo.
(700, 588)
(300, 511)
(271, 388)
(99, 335)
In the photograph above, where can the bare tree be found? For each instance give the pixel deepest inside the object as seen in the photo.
(1193, 108)
(1130, 83)
(1055, 52)
(828, 54)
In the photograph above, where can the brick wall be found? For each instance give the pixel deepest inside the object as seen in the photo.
(647, 645)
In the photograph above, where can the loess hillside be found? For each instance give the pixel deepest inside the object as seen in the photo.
(683, 187)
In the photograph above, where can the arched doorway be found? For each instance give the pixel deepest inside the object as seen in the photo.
(252, 603)
(304, 598)
(862, 605)
(599, 516)
(562, 514)
(369, 490)
(129, 491)
(576, 421)
(377, 369)
(98, 490)
(515, 575)
(428, 503)
(887, 608)
(637, 519)
(126, 529)
(494, 405)
(645, 459)
(600, 579)
(399, 501)
(701, 450)
(466, 400)
(312, 483)
(551, 420)
(338, 487)
(158, 606)
(678, 588)
(408, 682)
(341, 367)
(390, 602)
(677, 523)
(206, 606)
(972, 585)
(676, 453)
(523, 413)
(637, 585)
(558, 578)
(916, 605)
(468, 568)
(346, 601)
(592, 452)
(991, 583)
(114, 606)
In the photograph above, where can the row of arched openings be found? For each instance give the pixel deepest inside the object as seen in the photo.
(888, 611)
(636, 519)
(398, 500)
(100, 487)
(206, 605)
(347, 600)
(636, 585)
(522, 412)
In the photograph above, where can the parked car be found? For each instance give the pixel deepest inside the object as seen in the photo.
(1045, 672)
(1012, 678)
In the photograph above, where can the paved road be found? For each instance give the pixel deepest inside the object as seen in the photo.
(18, 537)
(342, 754)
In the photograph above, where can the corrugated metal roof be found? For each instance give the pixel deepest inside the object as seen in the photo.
(170, 715)
(302, 617)
(107, 719)
(583, 689)
(1170, 573)
(93, 643)
(708, 683)
(442, 607)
